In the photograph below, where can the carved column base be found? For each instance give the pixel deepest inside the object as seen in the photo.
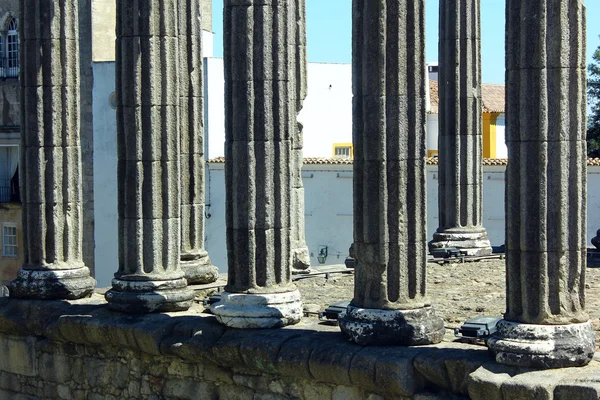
(301, 258)
(58, 284)
(543, 346)
(198, 273)
(149, 296)
(249, 311)
(473, 242)
(392, 327)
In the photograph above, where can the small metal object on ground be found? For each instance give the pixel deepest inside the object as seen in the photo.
(593, 258)
(481, 327)
(215, 298)
(332, 313)
(446, 252)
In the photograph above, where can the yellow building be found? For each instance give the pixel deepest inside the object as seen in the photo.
(492, 132)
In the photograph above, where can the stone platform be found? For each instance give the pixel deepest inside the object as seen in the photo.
(82, 350)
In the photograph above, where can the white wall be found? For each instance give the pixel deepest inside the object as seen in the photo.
(501, 150)
(432, 132)
(105, 174)
(328, 212)
(327, 112)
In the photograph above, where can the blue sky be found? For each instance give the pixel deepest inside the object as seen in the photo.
(329, 29)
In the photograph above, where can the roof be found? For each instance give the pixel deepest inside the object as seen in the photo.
(592, 162)
(492, 97)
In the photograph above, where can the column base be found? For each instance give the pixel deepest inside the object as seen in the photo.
(473, 242)
(392, 327)
(254, 311)
(543, 346)
(149, 296)
(59, 284)
(301, 258)
(199, 273)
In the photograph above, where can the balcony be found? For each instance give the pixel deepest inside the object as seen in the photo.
(10, 70)
(9, 191)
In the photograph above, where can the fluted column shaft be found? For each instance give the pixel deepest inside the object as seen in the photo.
(388, 83)
(300, 252)
(546, 175)
(545, 324)
(260, 119)
(51, 154)
(460, 129)
(195, 260)
(147, 65)
(260, 125)
(389, 153)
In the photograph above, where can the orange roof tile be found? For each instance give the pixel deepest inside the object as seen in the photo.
(595, 162)
(492, 97)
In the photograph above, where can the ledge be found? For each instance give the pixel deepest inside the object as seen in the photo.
(308, 351)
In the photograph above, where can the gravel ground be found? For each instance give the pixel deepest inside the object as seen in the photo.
(457, 291)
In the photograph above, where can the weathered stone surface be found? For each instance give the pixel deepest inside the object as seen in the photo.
(195, 261)
(405, 327)
(545, 187)
(260, 124)
(450, 368)
(484, 384)
(460, 128)
(149, 278)
(51, 155)
(258, 310)
(300, 252)
(18, 355)
(389, 171)
(543, 346)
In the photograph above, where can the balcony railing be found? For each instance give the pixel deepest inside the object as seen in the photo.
(9, 191)
(8, 72)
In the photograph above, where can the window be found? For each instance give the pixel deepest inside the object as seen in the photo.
(9, 241)
(343, 150)
(9, 47)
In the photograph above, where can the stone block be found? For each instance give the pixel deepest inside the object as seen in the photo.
(104, 327)
(233, 392)
(188, 390)
(5, 394)
(537, 385)
(55, 367)
(294, 356)
(261, 351)
(346, 393)
(395, 372)
(484, 384)
(215, 373)
(18, 355)
(331, 359)
(316, 390)
(10, 382)
(577, 391)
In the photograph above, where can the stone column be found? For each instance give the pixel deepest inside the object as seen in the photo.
(51, 154)
(388, 56)
(195, 261)
(147, 66)
(545, 324)
(300, 252)
(460, 130)
(260, 121)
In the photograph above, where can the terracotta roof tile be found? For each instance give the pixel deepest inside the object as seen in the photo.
(492, 97)
(595, 162)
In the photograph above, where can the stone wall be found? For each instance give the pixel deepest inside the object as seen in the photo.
(81, 350)
(11, 213)
(10, 103)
